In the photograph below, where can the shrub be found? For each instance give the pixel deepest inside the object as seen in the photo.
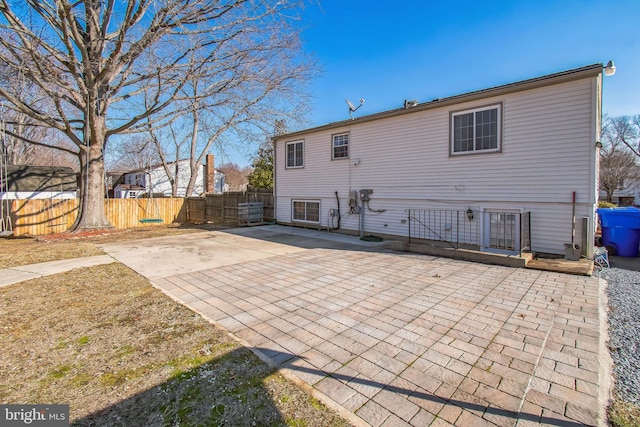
(604, 204)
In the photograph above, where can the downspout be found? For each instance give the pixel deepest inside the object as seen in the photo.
(339, 214)
(362, 218)
(275, 199)
(587, 249)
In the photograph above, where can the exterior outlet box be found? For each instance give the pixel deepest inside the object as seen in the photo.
(334, 212)
(364, 195)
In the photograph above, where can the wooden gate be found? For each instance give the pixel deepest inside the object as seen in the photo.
(195, 210)
(223, 208)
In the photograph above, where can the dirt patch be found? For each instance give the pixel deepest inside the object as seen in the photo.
(19, 251)
(120, 352)
(80, 234)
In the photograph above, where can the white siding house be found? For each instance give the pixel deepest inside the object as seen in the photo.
(128, 191)
(154, 179)
(515, 149)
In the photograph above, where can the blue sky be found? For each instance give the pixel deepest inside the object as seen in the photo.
(386, 52)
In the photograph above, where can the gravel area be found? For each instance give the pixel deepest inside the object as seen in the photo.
(623, 292)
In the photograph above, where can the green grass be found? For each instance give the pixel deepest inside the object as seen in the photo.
(117, 378)
(84, 340)
(125, 351)
(96, 356)
(60, 372)
(80, 380)
(624, 414)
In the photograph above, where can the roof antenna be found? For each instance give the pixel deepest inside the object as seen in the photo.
(353, 108)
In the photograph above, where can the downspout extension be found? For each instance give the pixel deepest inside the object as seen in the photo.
(339, 214)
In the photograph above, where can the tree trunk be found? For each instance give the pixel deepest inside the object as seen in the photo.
(193, 168)
(175, 182)
(91, 212)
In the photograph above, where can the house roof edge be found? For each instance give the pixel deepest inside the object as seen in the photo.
(588, 71)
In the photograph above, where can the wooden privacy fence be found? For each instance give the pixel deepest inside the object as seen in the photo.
(223, 208)
(48, 216)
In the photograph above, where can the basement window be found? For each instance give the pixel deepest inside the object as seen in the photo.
(306, 211)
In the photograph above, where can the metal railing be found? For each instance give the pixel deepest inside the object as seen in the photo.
(504, 231)
(454, 228)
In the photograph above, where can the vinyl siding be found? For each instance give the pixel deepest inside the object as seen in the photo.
(547, 152)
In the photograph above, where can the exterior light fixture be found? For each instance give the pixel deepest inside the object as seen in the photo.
(598, 144)
(469, 214)
(609, 69)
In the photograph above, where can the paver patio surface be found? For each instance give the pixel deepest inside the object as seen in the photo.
(393, 339)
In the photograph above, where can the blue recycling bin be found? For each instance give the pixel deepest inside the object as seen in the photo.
(621, 230)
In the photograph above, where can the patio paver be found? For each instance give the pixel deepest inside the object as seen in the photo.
(400, 339)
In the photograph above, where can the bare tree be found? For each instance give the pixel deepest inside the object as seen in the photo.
(15, 150)
(109, 68)
(231, 119)
(234, 176)
(619, 169)
(134, 152)
(623, 130)
(170, 159)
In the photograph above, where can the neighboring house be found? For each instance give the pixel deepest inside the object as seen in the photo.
(154, 179)
(500, 156)
(128, 191)
(228, 188)
(628, 196)
(111, 180)
(38, 182)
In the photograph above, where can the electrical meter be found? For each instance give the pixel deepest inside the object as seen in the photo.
(364, 195)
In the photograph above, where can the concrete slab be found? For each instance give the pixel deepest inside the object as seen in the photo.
(165, 256)
(12, 275)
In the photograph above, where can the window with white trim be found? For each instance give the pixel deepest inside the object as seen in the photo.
(306, 210)
(340, 147)
(477, 130)
(502, 231)
(295, 154)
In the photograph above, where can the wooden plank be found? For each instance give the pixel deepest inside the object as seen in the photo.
(224, 207)
(39, 217)
(196, 210)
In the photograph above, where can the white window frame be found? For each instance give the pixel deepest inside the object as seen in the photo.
(487, 228)
(286, 155)
(334, 146)
(305, 201)
(473, 111)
